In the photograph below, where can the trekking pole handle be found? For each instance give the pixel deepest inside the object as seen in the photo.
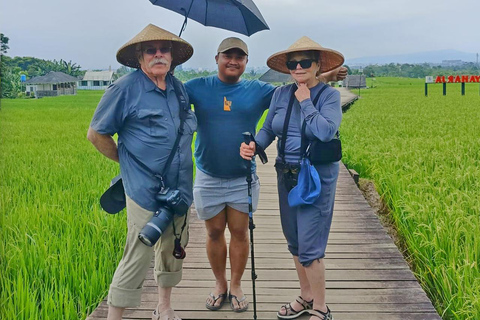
(247, 137)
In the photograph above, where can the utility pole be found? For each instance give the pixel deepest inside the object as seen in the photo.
(360, 81)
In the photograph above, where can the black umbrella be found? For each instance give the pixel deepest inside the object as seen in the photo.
(240, 16)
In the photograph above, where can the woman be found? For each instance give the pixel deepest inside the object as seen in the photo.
(305, 227)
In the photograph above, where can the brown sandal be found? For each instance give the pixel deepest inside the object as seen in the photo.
(321, 315)
(291, 313)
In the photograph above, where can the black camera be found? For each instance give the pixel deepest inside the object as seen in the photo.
(171, 203)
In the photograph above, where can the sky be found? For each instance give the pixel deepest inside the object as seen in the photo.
(89, 32)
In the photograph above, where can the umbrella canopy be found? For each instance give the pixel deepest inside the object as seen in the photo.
(240, 16)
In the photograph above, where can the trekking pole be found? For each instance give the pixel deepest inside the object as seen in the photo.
(247, 136)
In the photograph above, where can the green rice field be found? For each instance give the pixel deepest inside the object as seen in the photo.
(58, 249)
(423, 153)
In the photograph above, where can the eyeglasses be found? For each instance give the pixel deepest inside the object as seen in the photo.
(305, 64)
(152, 50)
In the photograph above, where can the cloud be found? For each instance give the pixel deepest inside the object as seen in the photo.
(90, 32)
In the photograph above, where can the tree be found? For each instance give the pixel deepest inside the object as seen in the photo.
(4, 42)
(123, 70)
(11, 85)
(3, 49)
(70, 68)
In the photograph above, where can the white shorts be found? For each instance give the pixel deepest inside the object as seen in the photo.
(212, 195)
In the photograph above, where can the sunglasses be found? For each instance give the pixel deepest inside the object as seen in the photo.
(305, 64)
(152, 51)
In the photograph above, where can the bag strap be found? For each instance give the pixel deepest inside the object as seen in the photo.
(283, 141)
(183, 109)
(304, 146)
(337, 134)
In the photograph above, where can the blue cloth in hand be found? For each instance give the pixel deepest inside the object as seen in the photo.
(308, 187)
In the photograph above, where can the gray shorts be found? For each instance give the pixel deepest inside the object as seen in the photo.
(212, 195)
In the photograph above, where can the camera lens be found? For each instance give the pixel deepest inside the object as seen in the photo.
(154, 229)
(145, 240)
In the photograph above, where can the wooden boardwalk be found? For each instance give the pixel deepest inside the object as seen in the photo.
(367, 277)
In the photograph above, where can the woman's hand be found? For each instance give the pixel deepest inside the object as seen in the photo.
(247, 151)
(302, 92)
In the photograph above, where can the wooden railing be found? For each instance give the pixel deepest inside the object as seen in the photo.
(53, 93)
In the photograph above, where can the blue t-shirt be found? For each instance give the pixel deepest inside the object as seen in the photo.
(147, 121)
(224, 111)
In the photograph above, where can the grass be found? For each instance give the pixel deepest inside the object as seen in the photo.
(424, 155)
(58, 250)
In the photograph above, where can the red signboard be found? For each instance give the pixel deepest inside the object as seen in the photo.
(457, 79)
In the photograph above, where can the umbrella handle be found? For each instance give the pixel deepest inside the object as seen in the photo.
(184, 25)
(186, 16)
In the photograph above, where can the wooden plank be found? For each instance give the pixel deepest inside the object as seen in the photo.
(367, 277)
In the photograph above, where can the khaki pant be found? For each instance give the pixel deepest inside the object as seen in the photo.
(126, 287)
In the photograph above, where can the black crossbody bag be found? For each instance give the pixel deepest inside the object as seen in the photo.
(320, 152)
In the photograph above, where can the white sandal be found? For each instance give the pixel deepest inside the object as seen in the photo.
(168, 314)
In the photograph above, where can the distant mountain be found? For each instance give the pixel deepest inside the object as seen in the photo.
(419, 57)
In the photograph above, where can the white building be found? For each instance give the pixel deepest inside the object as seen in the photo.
(96, 80)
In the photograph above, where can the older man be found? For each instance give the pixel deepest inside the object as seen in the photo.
(145, 110)
(226, 106)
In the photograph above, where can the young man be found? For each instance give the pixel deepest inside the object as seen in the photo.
(226, 106)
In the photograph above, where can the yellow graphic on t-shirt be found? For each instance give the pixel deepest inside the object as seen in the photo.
(226, 104)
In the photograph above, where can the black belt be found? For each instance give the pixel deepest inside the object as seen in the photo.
(287, 167)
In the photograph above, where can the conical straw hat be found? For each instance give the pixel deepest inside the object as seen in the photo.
(181, 49)
(329, 59)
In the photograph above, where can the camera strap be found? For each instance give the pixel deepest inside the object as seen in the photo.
(183, 109)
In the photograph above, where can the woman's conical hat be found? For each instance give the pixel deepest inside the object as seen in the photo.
(329, 59)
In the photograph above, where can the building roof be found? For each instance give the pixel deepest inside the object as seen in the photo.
(98, 75)
(52, 77)
(275, 76)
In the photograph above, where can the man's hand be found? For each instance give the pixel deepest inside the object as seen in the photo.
(302, 92)
(335, 75)
(104, 143)
(247, 151)
(342, 73)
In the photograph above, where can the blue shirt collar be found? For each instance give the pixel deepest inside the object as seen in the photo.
(148, 84)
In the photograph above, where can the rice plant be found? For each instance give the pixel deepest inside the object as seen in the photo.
(58, 250)
(423, 154)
